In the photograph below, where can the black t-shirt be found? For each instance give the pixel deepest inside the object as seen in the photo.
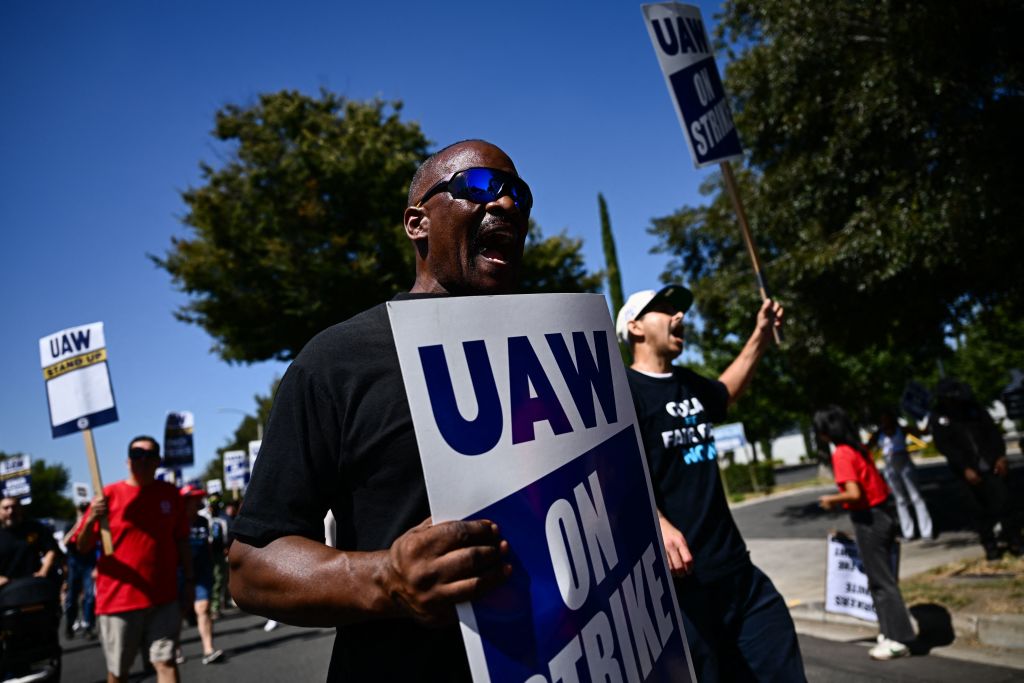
(22, 548)
(340, 437)
(675, 415)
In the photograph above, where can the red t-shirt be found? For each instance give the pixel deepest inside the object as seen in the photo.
(146, 522)
(849, 465)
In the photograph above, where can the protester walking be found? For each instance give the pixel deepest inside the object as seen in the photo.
(81, 587)
(863, 492)
(202, 563)
(136, 587)
(901, 475)
(976, 452)
(218, 550)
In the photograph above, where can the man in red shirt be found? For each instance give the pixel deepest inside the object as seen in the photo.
(137, 586)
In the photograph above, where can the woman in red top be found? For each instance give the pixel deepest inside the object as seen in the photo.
(865, 494)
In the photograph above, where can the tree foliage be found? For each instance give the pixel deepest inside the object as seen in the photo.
(884, 147)
(249, 429)
(612, 273)
(300, 226)
(48, 485)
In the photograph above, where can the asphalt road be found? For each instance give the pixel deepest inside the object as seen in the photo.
(287, 654)
(798, 515)
(291, 654)
(832, 662)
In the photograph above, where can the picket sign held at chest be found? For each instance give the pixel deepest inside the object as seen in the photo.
(523, 416)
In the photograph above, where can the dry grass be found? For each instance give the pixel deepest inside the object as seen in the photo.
(971, 586)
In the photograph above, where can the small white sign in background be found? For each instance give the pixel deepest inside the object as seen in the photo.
(846, 584)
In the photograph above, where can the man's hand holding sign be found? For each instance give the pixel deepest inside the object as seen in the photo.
(433, 567)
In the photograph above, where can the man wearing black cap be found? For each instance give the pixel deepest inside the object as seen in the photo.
(737, 625)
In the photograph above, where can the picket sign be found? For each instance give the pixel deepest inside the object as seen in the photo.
(179, 430)
(523, 416)
(688, 63)
(80, 491)
(236, 470)
(16, 478)
(846, 583)
(79, 394)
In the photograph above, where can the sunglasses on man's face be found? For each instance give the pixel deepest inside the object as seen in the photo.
(139, 453)
(483, 185)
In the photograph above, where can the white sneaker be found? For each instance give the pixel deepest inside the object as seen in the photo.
(888, 649)
(270, 625)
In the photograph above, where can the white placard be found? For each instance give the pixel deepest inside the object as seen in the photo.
(236, 469)
(523, 416)
(16, 478)
(846, 584)
(214, 486)
(688, 63)
(78, 388)
(80, 491)
(729, 437)
(254, 450)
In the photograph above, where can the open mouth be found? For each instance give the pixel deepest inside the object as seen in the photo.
(497, 247)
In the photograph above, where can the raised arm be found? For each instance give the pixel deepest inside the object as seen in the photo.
(422, 576)
(737, 376)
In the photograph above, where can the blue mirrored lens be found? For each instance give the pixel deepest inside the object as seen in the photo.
(484, 185)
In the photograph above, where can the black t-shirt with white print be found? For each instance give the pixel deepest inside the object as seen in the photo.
(675, 416)
(340, 437)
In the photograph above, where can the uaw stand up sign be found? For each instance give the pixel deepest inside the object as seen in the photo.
(79, 392)
(523, 416)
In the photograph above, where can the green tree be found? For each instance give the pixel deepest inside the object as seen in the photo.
(612, 274)
(554, 264)
(48, 485)
(300, 226)
(884, 147)
(987, 349)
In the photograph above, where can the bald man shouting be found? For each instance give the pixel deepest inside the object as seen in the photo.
(340, 438)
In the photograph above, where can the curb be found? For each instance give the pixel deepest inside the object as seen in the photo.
(993, 630)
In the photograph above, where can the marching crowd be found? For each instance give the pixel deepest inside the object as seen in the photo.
(340, 442)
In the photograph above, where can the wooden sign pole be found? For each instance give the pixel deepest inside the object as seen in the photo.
(741, 215)
(97, 486)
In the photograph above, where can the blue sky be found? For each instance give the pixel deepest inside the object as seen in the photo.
(107, 111)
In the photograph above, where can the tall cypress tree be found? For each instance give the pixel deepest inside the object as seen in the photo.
(611, 261)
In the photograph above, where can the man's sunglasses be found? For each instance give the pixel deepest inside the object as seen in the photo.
(483, 185)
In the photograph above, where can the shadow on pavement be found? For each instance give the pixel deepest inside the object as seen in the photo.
(304, 634)
(934, 626)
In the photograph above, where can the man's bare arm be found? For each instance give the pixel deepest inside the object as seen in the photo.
(47, 563)
(739, 373)
(422, 576)
(86, 538)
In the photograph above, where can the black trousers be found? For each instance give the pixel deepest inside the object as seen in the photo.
(876, 530)
(739, 630)
(992, 504)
